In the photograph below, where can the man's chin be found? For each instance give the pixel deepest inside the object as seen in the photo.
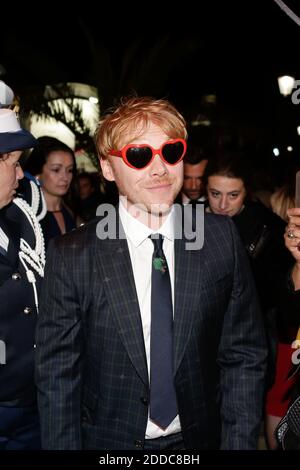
(160, 209)
(155, 209)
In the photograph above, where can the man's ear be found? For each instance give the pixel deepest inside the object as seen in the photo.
(107, 170)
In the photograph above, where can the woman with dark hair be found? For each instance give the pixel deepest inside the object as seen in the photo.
(228, 183)
(53, 163)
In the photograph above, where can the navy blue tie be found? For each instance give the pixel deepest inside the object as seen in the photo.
(163, 403)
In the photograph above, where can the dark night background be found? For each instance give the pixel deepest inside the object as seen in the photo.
(234, 50)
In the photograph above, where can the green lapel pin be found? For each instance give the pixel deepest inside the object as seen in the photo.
(159, 264)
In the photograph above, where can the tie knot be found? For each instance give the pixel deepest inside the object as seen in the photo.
(157, 240)
(194, 202)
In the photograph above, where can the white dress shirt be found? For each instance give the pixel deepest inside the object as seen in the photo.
(141, 250)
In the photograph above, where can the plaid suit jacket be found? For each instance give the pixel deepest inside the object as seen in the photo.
(91, 368)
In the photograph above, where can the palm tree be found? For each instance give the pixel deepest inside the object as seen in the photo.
(142, 66)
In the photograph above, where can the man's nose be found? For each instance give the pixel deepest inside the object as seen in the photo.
(195, 183)
(20, 173)
(158, 166)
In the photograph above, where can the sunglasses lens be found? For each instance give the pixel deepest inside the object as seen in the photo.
(173, 152)
(139, 157)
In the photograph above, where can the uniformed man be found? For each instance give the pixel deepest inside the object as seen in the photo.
(21, 268)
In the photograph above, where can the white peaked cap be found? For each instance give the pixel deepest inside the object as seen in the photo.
(6, 95)
(9, 121)
(12, 136)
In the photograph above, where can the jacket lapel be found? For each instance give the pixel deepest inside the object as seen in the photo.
(117, 275)
(185, 295)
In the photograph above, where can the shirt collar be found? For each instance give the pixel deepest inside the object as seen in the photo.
(137, 232)
(186, 200)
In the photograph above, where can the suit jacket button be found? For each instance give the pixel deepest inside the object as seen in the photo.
(16, 276)
(144, 400)
(138, 443)
(27, 310)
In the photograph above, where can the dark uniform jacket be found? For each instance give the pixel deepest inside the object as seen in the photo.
(18, 312)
